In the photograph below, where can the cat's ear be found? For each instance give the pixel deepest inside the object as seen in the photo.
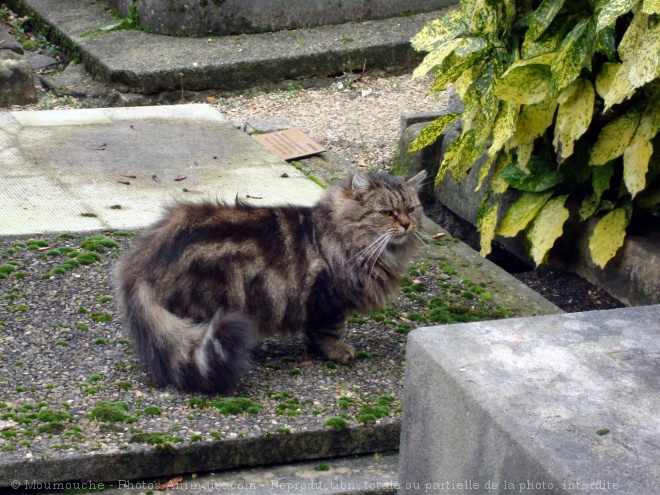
(361, 183)
(415, 181)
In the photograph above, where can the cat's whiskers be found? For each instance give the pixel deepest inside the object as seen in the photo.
(372, 251)
(382, 245)
(421, 238)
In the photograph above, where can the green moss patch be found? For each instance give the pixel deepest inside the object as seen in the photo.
(236, 405)
(336, 423)
(112, 412)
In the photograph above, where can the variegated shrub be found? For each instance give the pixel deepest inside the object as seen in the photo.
(564, 99)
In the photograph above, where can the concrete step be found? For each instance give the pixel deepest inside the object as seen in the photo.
(557, 404)
(374, 474)
(151, 63)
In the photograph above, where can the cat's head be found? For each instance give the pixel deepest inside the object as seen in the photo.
(380, 209)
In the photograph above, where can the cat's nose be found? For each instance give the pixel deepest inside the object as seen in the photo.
(405, 223)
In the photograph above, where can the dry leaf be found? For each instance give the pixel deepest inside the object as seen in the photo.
(170, 484)
(137, 393)
(305, 363)
(45, 248)
(438, 235)
(402, 318)
(210, 99)
(363, 162)
(180, 177)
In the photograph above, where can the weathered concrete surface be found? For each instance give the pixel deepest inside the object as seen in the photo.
(213, 18)
(374, 474)
(523, 404)
(152, 63)
(206, 456)
(92, 169)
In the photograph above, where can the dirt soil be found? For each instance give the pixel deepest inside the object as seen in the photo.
(569, 291)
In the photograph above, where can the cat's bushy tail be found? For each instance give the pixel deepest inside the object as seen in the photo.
(207, 357)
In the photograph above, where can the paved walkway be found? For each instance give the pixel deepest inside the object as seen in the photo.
(115, 168)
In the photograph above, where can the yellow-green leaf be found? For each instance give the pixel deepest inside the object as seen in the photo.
(573, 53)
(463, 83)
(613, 9)
(470, 45)
(524, 154)
(608, 236)
(548, 226)
(605, 77)
(620, 87)
(484, 170)
(649, 125)
(435, 58)
(533, 121)
(542, 17)
(526, 83)
(573, 118)
(651, 7)
(468, 153)
(486, 229)
(646, 64)
(497, 184)
(439, 31)
(431, 132)
(589, 206)
(522, 212)
(504, 127)
(614, 138)
(459, 157)
(631, 39)
(636, 163)
(444, 77)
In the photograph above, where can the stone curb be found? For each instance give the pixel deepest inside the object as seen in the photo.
(150, 63)
(207, 456)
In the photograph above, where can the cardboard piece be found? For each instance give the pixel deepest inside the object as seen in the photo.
(289, 144)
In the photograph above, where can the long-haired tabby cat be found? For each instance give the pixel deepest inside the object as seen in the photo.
(199, 286)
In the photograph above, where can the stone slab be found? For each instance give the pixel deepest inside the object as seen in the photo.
(91, 169)
(374, 474)
(152, 63)
(524, 403)
(184, 18)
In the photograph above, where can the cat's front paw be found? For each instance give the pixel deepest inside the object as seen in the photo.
(338, 351)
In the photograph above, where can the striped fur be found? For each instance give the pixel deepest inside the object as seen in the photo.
(203, 283)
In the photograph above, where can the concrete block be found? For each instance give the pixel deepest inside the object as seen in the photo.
(16, 84)
(204, 18)
(427, 158)
(557, 404)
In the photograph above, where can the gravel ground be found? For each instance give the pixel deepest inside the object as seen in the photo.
(359, 120)
(64, 356)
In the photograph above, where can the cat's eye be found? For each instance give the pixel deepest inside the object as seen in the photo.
(386, 213)
(411, 209)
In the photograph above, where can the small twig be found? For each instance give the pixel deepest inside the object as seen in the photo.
(181, 75)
